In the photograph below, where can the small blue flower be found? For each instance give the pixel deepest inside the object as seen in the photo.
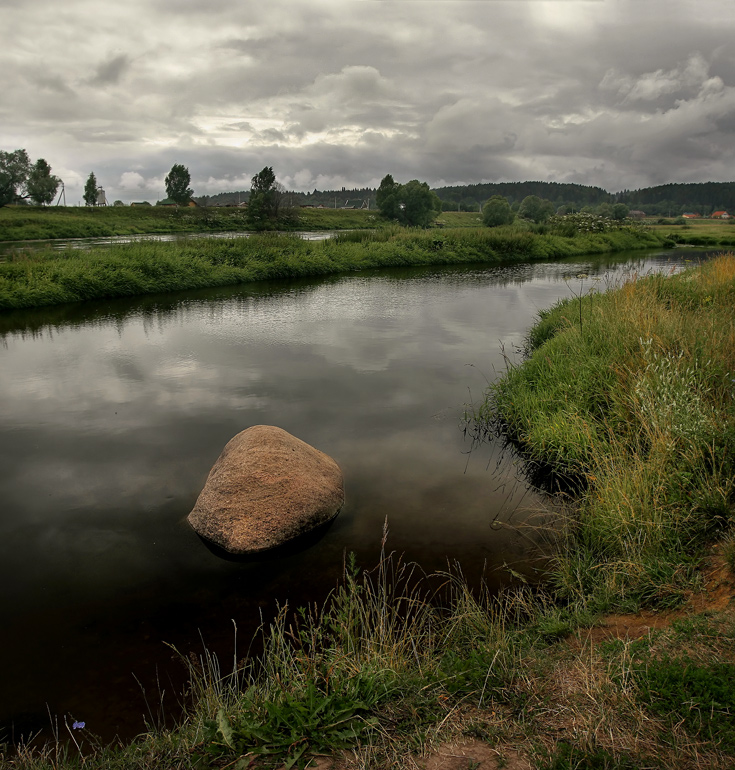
(78, 726)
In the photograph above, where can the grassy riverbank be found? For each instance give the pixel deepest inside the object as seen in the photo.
(627, 398)
(29, 223)
(36, 279)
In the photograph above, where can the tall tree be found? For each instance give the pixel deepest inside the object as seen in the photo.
(266, 196)
(412, 203)
(14, 170)
(177, 184)
(90, 190)
(387, 198)
(419, 205)
(497, 212)
(536, 209)
(42, 184)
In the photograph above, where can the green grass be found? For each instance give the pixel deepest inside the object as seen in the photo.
(626, 400)
(50, 277)
(698, 232)
(29, 222)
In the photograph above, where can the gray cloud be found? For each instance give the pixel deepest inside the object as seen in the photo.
(110, 71)
(331, 92)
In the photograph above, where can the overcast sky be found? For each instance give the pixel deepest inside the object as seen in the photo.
(333, 93)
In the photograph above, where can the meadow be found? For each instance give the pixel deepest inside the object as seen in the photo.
(60, 222)
(697, 232)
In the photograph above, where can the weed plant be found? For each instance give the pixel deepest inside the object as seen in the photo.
(628, 395)
(53, 277)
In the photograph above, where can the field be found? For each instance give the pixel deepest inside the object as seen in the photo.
(29, 223)
(697, 232)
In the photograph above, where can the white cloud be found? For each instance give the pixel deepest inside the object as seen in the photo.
(132, 181)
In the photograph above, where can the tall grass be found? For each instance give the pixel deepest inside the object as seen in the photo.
(52, 277)
(394, 663)
(628, 396)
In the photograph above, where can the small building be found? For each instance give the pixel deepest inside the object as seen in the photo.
(691, 215)
(169, 202)
(140, 203)
(720, 215)
(635, 214)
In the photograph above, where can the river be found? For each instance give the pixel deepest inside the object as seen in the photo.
(114, 412)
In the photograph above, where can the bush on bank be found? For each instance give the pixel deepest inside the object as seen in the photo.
(50, 277)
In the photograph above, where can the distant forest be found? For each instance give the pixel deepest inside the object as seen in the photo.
(664, 200)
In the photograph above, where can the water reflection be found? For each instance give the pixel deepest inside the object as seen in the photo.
(115, 412)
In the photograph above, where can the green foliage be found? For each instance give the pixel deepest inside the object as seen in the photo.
(568, 756)
(620, 211)
(293, 726)
(266, 198)
(497, 212)
(90, 190)
(15, 168)
(53, 277)
(699, 697)
(728, 551)
(629, 403)
(536, 209)
(177, 184)
(569, 225)
(412, 204)
(42, 185)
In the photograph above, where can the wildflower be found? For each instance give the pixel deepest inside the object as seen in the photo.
(78, 726)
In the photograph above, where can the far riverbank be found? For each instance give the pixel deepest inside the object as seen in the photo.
(54, 277)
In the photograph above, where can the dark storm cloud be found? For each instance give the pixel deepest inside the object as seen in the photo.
(331, 92)
(110, 72)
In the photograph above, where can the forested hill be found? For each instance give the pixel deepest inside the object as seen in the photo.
(664, 200)
(702, 198)
(557, 192)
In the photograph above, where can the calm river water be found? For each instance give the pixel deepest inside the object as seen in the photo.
(113, 414)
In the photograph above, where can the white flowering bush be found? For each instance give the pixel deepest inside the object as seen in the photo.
(572, 224)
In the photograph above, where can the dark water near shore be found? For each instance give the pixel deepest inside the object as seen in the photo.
(114, 412)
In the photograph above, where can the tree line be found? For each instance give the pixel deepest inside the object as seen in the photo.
(21, 180)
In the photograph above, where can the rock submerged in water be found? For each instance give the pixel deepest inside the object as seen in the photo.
(266, 488)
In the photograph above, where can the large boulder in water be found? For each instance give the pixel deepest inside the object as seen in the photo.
(266, 488)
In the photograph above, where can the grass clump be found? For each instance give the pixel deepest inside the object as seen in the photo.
(568, 756)
(626, 400)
